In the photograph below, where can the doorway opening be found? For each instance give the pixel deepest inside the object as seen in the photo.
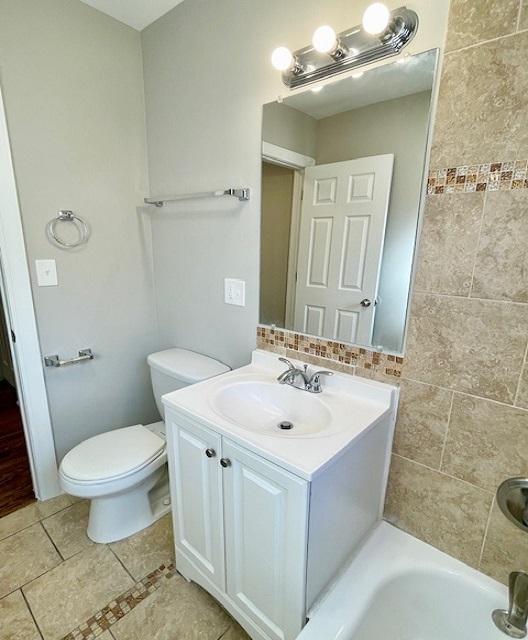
(16, 483)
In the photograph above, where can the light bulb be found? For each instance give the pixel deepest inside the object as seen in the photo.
(357, 74)
(324, 39)
(282, 59)
(376, 18)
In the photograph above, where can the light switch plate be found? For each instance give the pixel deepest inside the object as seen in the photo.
(235, 292)
(46, 273)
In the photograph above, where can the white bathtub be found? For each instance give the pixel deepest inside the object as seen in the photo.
(399, 588)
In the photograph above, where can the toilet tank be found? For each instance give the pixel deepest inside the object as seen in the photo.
(174, 369)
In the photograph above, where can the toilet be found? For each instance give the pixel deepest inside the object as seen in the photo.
(123, 472)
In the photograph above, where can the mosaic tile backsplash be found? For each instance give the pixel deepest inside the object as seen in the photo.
(493, 176)
(344, 357)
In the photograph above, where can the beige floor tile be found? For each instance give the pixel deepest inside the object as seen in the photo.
(69, 594)
(473, 346)
(24, 556)
(67, 529)
(447, 513)
(177, 610)
(148, 549)
(505, 549)
(472, 21)
(27, 516)
(16, 622)
(423, 414)
(235, 632)
(502, 259)
(485, 129)
(487, 442)
(449, 237)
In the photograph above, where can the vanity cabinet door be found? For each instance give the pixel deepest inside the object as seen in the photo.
(265, 517)
(196, 478)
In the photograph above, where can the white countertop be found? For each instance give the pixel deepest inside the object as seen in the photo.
(356, 404)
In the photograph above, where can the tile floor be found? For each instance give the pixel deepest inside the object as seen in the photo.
(57, 584)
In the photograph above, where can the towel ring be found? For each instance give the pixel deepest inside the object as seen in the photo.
(68, 216)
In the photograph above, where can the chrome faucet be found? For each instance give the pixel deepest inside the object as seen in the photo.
(513, 621)
(310, 383)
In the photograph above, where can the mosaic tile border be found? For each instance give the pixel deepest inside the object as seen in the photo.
(364, 361)
(494, 176)
(97, 624)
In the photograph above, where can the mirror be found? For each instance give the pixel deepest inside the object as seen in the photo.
(342, 184)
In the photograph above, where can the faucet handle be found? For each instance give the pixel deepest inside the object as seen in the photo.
(287, 363)
(314, 384)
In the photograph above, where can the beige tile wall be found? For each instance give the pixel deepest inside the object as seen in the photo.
(463, 424)
(463, 419)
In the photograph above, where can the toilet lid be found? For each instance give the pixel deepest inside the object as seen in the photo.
(112, 454)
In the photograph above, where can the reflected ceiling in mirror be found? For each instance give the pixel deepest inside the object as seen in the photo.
(342, 184)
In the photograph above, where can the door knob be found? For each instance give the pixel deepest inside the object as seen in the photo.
(366, 303)
(225, 462)
(210, 453)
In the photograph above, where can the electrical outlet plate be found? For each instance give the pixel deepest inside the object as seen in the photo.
(235, 292)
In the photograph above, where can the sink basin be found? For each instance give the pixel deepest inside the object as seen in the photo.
(263, 406)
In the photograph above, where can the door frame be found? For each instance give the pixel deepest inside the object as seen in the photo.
(297, 162)
(16, 292)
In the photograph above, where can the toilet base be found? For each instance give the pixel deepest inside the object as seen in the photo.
(120, 515)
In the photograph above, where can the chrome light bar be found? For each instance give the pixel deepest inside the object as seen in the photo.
(356, 48)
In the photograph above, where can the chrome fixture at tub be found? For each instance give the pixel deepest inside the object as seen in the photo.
(512, 498)
(382, 34)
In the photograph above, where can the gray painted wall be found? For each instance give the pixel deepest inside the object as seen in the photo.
(73, 87)
(204, 118)
(398, 127)
(289, 128)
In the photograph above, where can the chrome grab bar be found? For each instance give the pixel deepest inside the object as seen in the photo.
(54, 361)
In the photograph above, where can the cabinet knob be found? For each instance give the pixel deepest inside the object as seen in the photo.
(210, 453)
(225, 462)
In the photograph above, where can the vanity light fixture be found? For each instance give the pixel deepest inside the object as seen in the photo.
(383, 33)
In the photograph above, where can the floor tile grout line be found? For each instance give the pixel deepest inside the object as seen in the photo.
(63, 559)
(31, 613)
(486, 529)
(39, 521)
(123, 564)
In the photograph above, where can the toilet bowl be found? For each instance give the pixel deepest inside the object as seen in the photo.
(123, 472)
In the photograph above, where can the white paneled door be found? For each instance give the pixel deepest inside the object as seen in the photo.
(341, 239)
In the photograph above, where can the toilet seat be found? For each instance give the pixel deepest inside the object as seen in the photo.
(112, 455)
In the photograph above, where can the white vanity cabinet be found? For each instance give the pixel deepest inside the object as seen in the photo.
(240, 529)
(264, 541)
